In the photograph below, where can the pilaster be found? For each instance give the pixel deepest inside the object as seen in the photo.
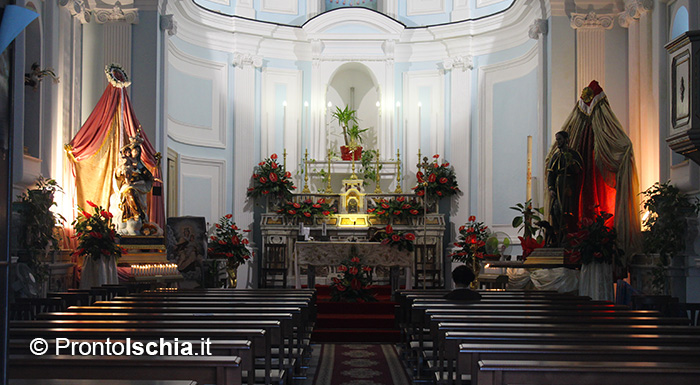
(590, 46)
(460, 136)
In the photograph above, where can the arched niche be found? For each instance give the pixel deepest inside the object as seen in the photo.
(680, 22)
(32, 92)
(353, 84)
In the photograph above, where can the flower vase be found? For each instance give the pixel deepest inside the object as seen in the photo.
(596, 282)
(232, 271)
(475, 267)
(274, 203)
(98, 271)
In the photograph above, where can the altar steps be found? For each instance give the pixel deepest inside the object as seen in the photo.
(369, 322)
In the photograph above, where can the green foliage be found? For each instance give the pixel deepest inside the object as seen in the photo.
(344, 117)
(352, 283)
(95, 233)
(269, 178)
(39, 223)
(666, 225)
(355, 134)
(228, 242)
(368, 166)
(525, 220)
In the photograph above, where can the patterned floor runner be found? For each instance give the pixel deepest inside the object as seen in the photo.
(360, 364)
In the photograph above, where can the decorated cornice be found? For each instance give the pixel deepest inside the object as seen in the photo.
(116, 14)
(634, 9)
(78, 8)
(167, 24)
(592, 20)
(242, 59)
(459, 62)
(538, 27)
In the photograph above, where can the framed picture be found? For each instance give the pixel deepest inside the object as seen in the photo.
(187, 245)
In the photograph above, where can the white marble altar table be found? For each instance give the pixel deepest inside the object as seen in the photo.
(333, 253)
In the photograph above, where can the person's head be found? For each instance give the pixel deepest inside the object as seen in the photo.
(562, 138)
(462, 275)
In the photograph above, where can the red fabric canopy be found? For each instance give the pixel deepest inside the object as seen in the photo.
(114, 110)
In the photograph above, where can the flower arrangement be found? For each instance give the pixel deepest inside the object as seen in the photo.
(594, 242)
(352, 283)
(439, 180)
(270, 179)
(399, 208)
(228, 242)
(401, 239)
(472, 241)
(96, 234)
(306, 209)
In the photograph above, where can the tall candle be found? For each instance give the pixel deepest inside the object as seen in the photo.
(528, 186)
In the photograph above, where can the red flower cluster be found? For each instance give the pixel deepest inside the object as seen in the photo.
(95, 233)
(269, 178)
(400, 207)
(400, 239)
(353, 282)
(306, 209)
(472, 241)
(594, 242)
(228, 242)
(440, 182)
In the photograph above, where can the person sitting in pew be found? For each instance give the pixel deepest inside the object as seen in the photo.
(462, 277)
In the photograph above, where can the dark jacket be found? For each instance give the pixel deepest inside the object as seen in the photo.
(463, 295)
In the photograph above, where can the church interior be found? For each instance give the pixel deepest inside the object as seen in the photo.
(290, 192)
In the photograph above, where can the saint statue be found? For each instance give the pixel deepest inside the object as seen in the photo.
(133, 183)
(564, 184)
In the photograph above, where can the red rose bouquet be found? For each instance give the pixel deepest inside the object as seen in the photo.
(270, 178)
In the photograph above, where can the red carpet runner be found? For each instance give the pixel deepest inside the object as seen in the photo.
(355, 364)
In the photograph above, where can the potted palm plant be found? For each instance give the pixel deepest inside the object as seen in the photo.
(351, 134)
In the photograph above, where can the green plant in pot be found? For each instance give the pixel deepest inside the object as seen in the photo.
(665, 224)
(37, 237)
(351, 133)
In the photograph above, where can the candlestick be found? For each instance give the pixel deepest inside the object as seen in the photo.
(377, 189)
(329, 189)
(528, 177)
(284, 159)
(398, 189)
(306, 172)
(420, 105)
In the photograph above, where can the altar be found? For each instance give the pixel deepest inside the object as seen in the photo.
(373, 254)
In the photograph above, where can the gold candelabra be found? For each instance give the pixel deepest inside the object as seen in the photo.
(377, 189)
(398, 173)
(353, 148)
(329, 189)
(424, 165)
(306, 172)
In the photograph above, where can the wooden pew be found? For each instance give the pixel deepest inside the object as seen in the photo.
(586, 373)
(273, 333)
(471, 354)
(203, 370)
(257, 336)
(37, 381)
